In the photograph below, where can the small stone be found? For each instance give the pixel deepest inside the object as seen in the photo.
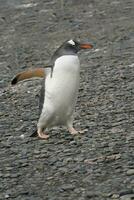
(96, 50)
(130, 172)
(107, 194)
(7, 175)
(36, 152)
(50, 178)
(63, 170)
(22, 136)
(127, 197)
(14, 175)
(73, 142)
(68, 187)
(8, 168)
(7, 196)
(67, 160)
(104, 144)
(115, 196)
(90, 194)
(132, 182)
(92, 160)
(77, 190)
(78, 159)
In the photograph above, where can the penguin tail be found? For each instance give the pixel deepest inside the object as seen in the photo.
(39, 72)
(34, 134)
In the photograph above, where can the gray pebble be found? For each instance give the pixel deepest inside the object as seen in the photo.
(127, 197)
(67, 187)
(130, 172)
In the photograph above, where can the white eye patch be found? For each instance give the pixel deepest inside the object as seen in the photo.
(71, 42)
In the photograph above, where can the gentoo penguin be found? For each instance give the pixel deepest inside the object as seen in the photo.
(60, 88)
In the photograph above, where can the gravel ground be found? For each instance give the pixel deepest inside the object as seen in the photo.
(100, 163)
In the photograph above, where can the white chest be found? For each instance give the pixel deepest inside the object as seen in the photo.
(61, 89)
(65, 78)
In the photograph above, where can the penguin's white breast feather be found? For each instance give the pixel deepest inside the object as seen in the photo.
(66, 72)
(61, 89)
(65, 76)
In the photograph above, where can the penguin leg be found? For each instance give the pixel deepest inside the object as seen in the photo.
(42, 134)
(43, 123)
(73, 131)
(70, 127)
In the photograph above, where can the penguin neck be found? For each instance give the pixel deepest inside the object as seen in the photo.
(67, 63)
(64, 52)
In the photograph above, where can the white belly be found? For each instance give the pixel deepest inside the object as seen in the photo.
(61, 91)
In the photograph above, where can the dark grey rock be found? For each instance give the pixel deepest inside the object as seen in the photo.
(67, 187)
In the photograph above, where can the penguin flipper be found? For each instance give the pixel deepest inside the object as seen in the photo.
(39, 72)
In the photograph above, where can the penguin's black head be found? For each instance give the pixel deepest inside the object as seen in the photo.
(76, 46)
(70, 47)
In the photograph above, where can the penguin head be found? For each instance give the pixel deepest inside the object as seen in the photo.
(70, 47)
(77, 46)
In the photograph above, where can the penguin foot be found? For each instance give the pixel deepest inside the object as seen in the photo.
(73, 131)
(83, 131)
(42, 135)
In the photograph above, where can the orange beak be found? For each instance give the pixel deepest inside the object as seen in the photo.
(86, 46)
